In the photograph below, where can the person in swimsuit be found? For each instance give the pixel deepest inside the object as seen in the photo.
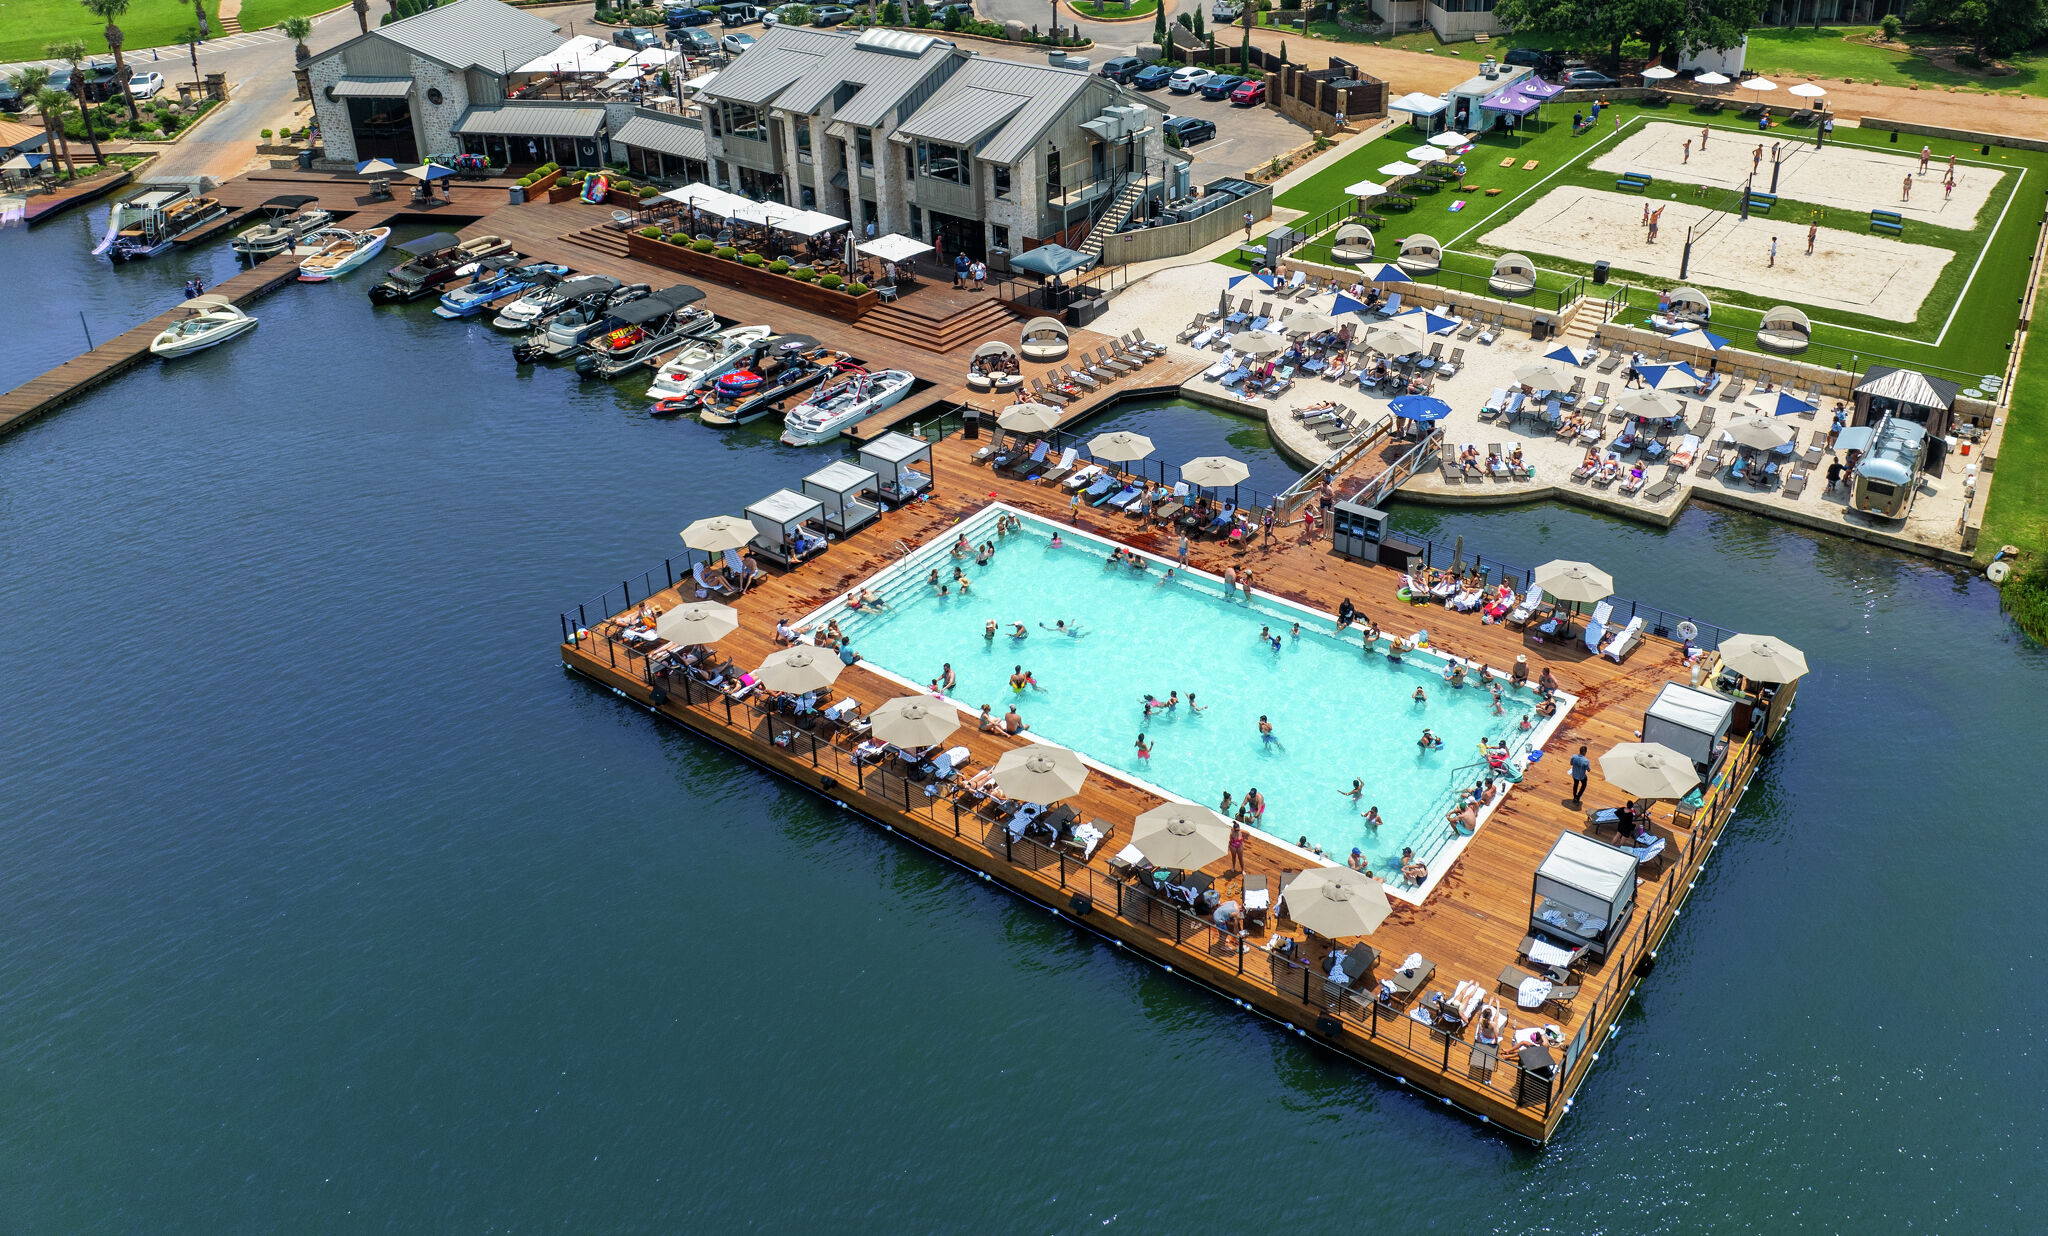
(1144, 748)
(1266, 730)
(1357, 790)
(1429, 741)
(1372, 818)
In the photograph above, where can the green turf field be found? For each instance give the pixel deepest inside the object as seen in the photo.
(27, 26)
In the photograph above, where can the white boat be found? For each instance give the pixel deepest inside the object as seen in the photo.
(706, 359)
(289, 221)
(213, 321)
(846, 401)
(343, 255)
(551, 298)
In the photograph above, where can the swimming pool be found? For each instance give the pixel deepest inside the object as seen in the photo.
(1336, 713)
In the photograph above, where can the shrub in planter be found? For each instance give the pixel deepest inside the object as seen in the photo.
(526, 182)
(803, 275)
(779, 266)
(855, 289)
(702, 246)
(650, 232)
(266, 134)
(679, 239)
(833, 282)
(727, 252)
(751, 259)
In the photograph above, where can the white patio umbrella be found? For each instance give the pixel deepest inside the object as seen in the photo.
(1543, 375)
(376, 167)
(1365, 188)
(1758, 433)
(1398, 168)
(799, 669)
(1181, 836)
(1648, 770)
(1765, 658)
(1213, 472)
(1449, 138)
(1573, 581)
(1658, 73)
(1647, 404)
(699, 622)
(1308, 322)
(1029, 417)
(1120, 446)
(1393, 339)
(718, 533)
(1757, 83)
(1806, 90)
(914, 721)
(1424, 154)
(1258, 342)
(1710, 79)
(1335, 902)
(1040, 773)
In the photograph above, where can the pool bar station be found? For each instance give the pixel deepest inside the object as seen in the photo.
(1484, 960)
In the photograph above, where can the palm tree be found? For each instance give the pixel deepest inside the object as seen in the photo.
(297, 29)
(52, 103)
(73, 53)
(31, 84)
(362, 8)
(107, 11)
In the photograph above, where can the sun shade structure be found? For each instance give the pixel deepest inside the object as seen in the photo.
(1181, 836)
(799, 669)
(1040, 773)
(1765, 658)
(914, 721)
(699, 622)
(1697, 338)
(1391, 274)
(1583, 892)
(894, 247)
(1352, 243)
(1568, 355)
(1757, 83)
(1573, 581)
(1658, 73)
(1336, 902)
(1447, 140)
(1419, 408)
(1689, 303)
(1778, 403)
(718, 533)
(1120, 446)
(1807, 90)
(1758, 433)
(1513, 275)
(1647, 405)
(1044, 339)
(1051, 260)
(1784, 329)
(1711, 79)
(429, 171)
(1690, 721)
(1543, 375)
(1308, 323)
(1365, 188)
(1394, 339)
(1029, 417)
(1424, 154)
(1678, 377)
(1398, 168)
(1649, 770)
(1258, 342)
(1420, 254)
(1262, 280)
(1212, 472)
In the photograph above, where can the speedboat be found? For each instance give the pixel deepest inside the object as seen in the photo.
(494, 283)
(845, 401)
(779, 368)
(566, 332)
(343, 254)
(213, 320)
(199, 219)
(705, 359)
(646, 328)
(434, 262)
(289, 223)
(549, 298)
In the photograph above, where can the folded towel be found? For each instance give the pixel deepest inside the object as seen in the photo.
(1410, 964)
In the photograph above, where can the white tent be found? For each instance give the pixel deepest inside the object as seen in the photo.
(567, 57)
(807, 223)
(1690, 721)
(1419, 104)
(707, 199)
(698, 83)
(894, 247)
(1583, 891)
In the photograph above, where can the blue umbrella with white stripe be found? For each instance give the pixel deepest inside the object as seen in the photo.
(1778, 403)
(1574, 357)
(1419, 408)
(1680, 376)
(1347, 304)
(1431, 323)
(1391, 274)
(1261, 280)
(1697, 338)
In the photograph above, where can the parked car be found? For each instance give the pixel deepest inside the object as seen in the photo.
(1587, 79)
(739, 14)
(145, 85)
(1188, 78)
(829, 14)
(636, 37)
(1188, 130)
(1225, 12)
(1220, 85)
(941, 13)
(681, 16)
(735, 44)
(10, 98)
(694, 42)
(1152, 76)
(1122, 69)
(1248, 93)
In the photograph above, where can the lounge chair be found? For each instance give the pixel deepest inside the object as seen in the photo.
(1512, 978)
(1660, 491)
(705, 587)
(1624, 640)
(1391, 306)
(1470, 329)
(1023, 464)
(1406, 985)
(1065, 465)
(1795, 484)
(1103, 484)
(1258, 901)
(1452, 474)
(994, 447)
(1596, 625)
(1127, 494)
(1082, 479)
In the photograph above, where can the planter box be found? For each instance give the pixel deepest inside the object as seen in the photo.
(758, 281)
(628, 201)
(539, 189)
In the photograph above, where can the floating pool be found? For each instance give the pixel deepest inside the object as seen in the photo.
(1336, 713)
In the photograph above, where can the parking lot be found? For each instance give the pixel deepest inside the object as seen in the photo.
(1245, 136)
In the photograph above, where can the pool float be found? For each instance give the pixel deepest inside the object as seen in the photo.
(595, 188)
(624, 337)
(1404, 595)
(739, 382)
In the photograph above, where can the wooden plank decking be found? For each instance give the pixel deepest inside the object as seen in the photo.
(1470, 925)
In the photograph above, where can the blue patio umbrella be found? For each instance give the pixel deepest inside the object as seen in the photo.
(375, 167)
(1419, 408)
(1391, 274)
(429, 171)
(1261, 280)
(1569, 355)
(1697, 338)
(1050, 260)
(1431, 323)
(1346, 304)
(1680, 376)
(1778, 403)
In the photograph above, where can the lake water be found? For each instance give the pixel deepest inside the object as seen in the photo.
(331, 903)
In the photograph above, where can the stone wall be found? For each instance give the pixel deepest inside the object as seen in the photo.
(336, 136)
(434, 123)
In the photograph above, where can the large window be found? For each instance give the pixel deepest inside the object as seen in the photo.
(745, 121)
(1001, 176)
(1053, 185)
(864, 149)
(938, 161)
(803, 139)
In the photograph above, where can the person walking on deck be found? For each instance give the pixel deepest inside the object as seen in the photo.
(1582, 768)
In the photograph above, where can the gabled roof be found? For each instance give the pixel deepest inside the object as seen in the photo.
(474, 34)
(1009, 104)
(1907, 386)
(776, 61)
(798, 70)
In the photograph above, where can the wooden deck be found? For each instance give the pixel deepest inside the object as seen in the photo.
(1471, 923)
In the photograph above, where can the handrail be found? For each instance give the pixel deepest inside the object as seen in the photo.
(1331, 467)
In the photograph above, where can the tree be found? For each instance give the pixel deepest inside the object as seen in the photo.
(107, 11)
(362, 8)
(1670, 27)
(32, 84)
(1159, 26)
(73, 53)
(1244, 49)
(298, 30)
(1995, 27)
(53, 103)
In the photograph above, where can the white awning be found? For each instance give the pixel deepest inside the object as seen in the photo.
(372, 87)
(1418, 104)
(707, 199)
(808, 223)
(894, 247)
(696, 84)
(1582, 863)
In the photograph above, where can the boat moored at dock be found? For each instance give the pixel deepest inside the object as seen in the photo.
(549, 298)
(435, 261)
(845, 401)
(779, 368)
(703, 360)
(343, 253)
(645, 329)
(290, 222)
(495, 280)
(213, 321)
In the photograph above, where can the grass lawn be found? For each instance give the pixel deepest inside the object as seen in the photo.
(27, 26)
(264, 14)
(1838, 51)
(1975, 343)
(1114, 9)
(2018, 512)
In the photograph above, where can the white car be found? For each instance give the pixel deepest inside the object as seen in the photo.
(736, 44)
(145, 85)
(1188, 79)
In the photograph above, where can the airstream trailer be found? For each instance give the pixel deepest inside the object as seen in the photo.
(1889, 470)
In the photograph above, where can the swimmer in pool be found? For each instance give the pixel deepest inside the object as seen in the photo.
(1194, 707)
(1357, 790)
(1372, 818)
(1017, 631)
(1421, 696)
(1061, 628)
(1056, 542)
(989, 631)
(1429, 742)
(1266, 734)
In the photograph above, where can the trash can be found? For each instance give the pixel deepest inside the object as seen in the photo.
(1600, 271)
(1540, 328)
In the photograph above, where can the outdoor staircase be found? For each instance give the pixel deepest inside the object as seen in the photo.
(608, 241)
(1113, 218)
(905, 324)
(1580, 333)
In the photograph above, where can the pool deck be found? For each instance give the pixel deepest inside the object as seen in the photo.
(1471, 923)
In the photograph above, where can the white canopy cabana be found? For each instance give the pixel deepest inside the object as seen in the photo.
(1513, 275)
(708, 200)
(1784, 329)
(894, 247)
(1690, 302)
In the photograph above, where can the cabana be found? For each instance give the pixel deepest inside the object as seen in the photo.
(779, 532)
(893, 458)
(1353, 243)
(1045, 339)
(997, 379)
(1513, 275)
(1425, 111)
(1785, 330)
(1421, 255)
(1907, 395)
(1583, 893)
(1692, 722)
(1689, 304)
(838, 487)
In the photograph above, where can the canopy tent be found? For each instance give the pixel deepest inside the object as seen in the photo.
(704, 198)
(1420, 254)
(838, 487)
(894, 247)
(894, 458)
(1051, 260)
(1583, 892)
(779, 532)
(1784, 329)
(1426, 112)
(807, 223)
(1690, 721)
(1910, 395)
(696, 84)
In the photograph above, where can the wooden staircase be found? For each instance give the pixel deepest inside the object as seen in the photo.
(605, 240)
(906, 324)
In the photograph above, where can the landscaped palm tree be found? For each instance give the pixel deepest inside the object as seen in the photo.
(362, 8)
(298, 29)
(107, 11)
(31, 84)
(73, 53)
(53, 103)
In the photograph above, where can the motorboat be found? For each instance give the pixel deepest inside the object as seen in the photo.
(152, 222)
(289, 223)
(433, 262)
(779, 368)
(566, 332)
(136, 218)
(549, 298)
(199, 219)
(343, 254)
(210, 321)
(495, 282)
(703, 360)
(646, 328)
(845, 401)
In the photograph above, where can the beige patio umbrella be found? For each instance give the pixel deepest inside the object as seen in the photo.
(1543, 375)
(1181, 836)
(1335, 902)
(1765, 658)
(1390, 339)
(914, 721)
(699, 622)
(1029, 417)
(1648, 770)
(1213, 472)
(1758, 433)
(1120, 446)
(798, 669)
(718, 533)
(1258, 342)
(1646, 403)
(1040, 773)
(1308, 322)
(1574, 581)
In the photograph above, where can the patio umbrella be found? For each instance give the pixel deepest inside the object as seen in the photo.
(1649, 405)
(1569, 355)
(1429, 323)
(1040, 773)
(1678, 377)
(1573, 581)
(1394, 338)
(1419, 408)
(718, 533)
(894, 247)
(1449, 139)
(1181, 836)
(429, 171)
(1765, 658)
(1648, 770)
(1049, 260)
(1710, 79)
(1392, 274)
(1758, 433)
(1398, 168)
(1543, 375)
(375, 167)
(1029, 417)
(1309, 323)
(1212, 472)
(1697, 338)
(23, 163)
(1658, 73)
(1365, 188)
(914, 721)
(1778, 403)
(1261, 280)
(699, 622)
(1806, 90)
(1424, 154)
(1120, 446)
(1757, 83)
(1258, 342)
(1346, 304)
(1335, 902)
(799, 669)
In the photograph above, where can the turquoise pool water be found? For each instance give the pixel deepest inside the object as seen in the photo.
(1336, 713)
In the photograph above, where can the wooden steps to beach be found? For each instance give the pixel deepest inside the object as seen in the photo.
(907, 323)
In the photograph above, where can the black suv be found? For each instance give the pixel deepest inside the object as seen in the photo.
(1122, 69)
(636, 38)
